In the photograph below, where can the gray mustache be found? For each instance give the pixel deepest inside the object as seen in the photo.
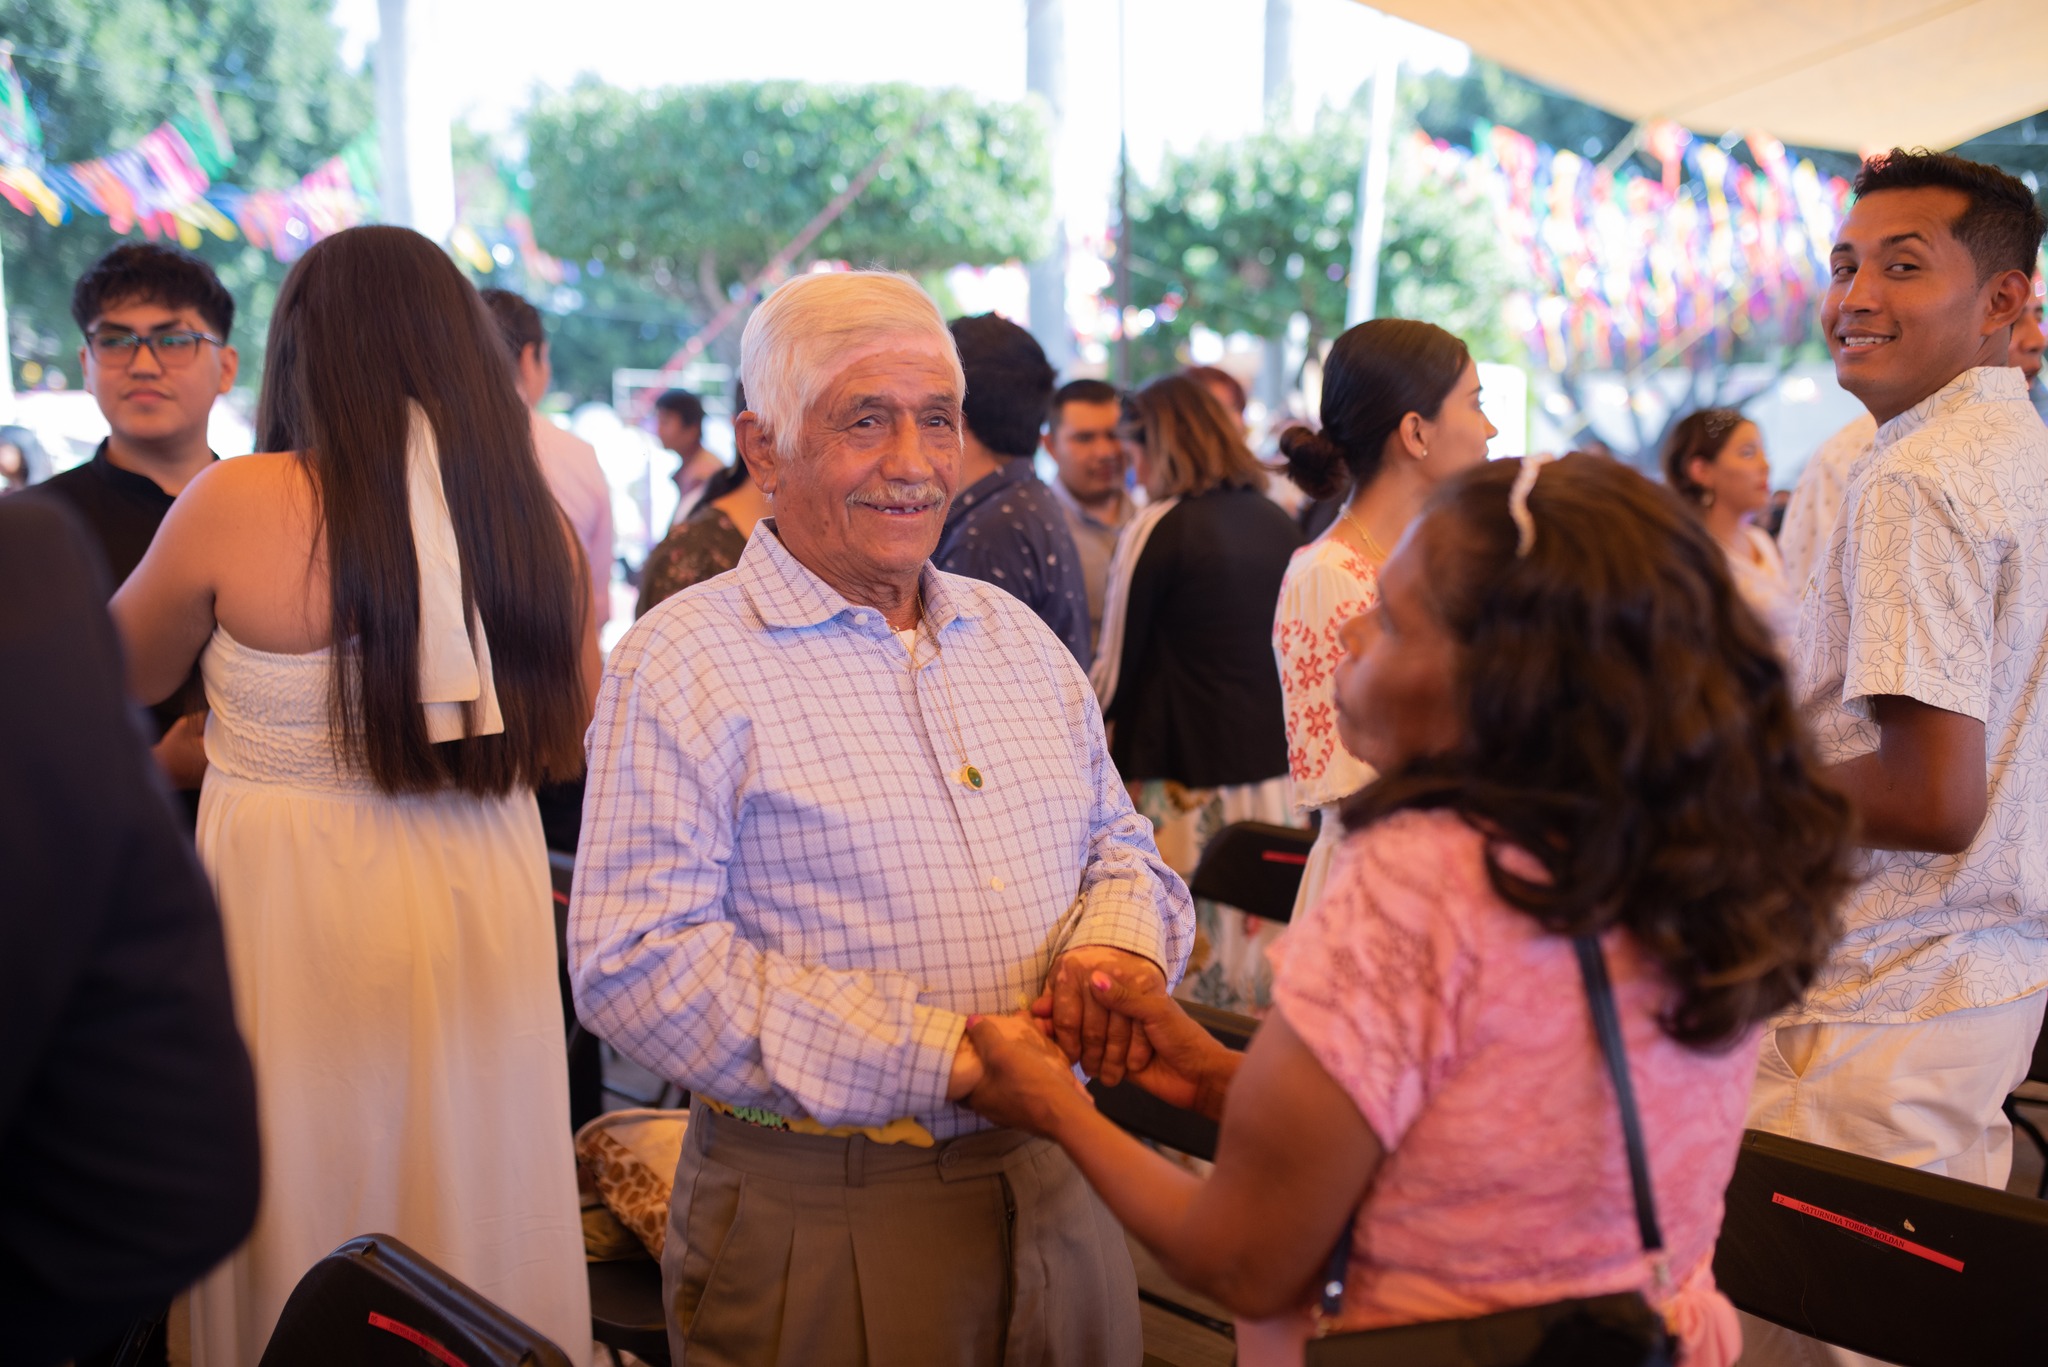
(927, 492)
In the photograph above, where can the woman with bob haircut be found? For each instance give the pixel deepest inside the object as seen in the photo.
(392, 620)
(1184, 670)
(1579, 728)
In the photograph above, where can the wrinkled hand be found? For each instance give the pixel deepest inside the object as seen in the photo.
(1106, 1045)
(182, 752)
(1026, 1082)
(1188, 1068)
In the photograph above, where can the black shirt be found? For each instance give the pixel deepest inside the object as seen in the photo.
(122, 510)
(1198, 694)
(128, 1151)
(1005, 529)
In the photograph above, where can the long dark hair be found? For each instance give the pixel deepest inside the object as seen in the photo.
(1376, 374)
(1626, 721)
(368, 319)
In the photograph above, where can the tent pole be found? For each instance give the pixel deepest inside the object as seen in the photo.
(1363, 296)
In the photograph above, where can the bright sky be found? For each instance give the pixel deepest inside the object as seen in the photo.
(1195, 71)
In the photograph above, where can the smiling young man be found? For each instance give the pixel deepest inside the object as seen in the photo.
(155, 355)
(1923, 639)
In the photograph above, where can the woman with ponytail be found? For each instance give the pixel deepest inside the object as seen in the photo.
(1400, 414)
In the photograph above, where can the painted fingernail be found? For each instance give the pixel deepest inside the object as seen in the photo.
(973, 1021)
(1102, 982)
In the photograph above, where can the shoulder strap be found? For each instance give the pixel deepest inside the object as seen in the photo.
(1607, 1029)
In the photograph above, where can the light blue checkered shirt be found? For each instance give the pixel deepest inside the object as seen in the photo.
(785, 898)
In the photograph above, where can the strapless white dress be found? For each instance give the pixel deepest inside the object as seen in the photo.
(393, 964)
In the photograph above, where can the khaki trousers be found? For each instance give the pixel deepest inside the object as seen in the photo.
(1925, 1095)
(805, 1251)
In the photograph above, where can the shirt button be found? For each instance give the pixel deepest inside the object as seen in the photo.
(996, 884)
(860, 619)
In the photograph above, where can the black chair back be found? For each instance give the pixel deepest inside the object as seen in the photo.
(1254, 867)
(1915, 1269)
(373, 1302)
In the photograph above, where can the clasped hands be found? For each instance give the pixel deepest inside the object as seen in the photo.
(1104, 1009)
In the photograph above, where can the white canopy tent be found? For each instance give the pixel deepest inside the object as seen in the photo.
(1855, 75)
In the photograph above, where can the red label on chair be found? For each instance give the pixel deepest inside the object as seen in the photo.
(1282, 857)
(425, 1344)
(1883, 1236)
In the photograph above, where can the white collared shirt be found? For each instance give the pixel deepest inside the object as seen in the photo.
(1934, 586)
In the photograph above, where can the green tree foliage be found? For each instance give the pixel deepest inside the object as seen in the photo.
(1241, 236)
(101, 73)
(690, 190)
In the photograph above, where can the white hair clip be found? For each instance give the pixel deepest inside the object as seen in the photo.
(1518, 500)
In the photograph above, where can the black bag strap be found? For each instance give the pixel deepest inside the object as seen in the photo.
(1606, 1030)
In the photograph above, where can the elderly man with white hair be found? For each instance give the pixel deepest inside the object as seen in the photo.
(839, 802)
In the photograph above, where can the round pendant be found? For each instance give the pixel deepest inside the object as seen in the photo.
(970, 776)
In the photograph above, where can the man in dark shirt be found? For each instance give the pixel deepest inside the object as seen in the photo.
(1004, 526)
(128, 1147)
(156, 356)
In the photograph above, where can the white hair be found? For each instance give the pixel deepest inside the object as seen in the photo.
(795, 339)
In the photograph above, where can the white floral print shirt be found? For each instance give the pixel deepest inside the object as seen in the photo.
(1934, 586)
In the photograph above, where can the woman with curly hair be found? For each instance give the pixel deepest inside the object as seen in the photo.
(1579, 728)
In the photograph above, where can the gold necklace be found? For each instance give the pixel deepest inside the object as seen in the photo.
(967, 775)
(1372, 547)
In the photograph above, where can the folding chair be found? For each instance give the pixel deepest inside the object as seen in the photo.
(1255, 867)
(2033, 1092)
(1915, 1269)
(373, 1302)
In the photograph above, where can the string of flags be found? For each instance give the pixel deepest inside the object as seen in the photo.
(1624, 266)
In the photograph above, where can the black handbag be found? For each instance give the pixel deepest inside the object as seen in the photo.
(1620, 1330)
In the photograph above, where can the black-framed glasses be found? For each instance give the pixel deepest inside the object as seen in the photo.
(173, 350)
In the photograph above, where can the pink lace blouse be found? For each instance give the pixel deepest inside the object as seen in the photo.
(1460, 1028)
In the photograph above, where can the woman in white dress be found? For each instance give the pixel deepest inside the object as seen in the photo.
(1400, 414)
(389, 617)
(1715, 459)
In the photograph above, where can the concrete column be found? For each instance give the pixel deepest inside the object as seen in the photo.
(418, 183)
(1045, 75)
(1371, 228)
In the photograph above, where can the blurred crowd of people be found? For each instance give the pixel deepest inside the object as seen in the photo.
(883, 812)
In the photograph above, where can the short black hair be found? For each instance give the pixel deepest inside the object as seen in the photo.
(518, 321)
(147, 273)
(685, 405)
(1008, 383)
(2001, 228)
(1080, 391)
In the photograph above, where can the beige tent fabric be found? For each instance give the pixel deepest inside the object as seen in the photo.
(1858, 75)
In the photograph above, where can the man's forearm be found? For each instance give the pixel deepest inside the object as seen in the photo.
(1925, 788)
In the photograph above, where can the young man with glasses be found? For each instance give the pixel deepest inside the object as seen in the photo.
(155, 356)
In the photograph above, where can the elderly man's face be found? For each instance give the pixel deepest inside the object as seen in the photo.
(863, 499)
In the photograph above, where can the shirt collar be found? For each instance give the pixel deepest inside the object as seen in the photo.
(786, 595)
(1980, 384)
(132, 480)
(1087, 514)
